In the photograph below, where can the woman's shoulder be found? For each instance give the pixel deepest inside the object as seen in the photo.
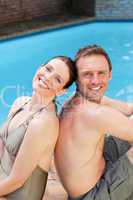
(45, 117)
(21, 100)
(45, 122)
(18, 103)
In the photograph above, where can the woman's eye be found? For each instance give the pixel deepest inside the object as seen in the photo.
(48, 69)
(42, 66)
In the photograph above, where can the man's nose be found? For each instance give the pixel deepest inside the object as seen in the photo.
(95, 79)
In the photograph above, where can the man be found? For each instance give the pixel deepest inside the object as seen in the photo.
(84, 122)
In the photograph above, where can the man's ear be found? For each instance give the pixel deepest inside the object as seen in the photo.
(61, 92)
(110, 75)
(76, 81)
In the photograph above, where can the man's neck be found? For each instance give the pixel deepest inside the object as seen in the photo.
(84, 97)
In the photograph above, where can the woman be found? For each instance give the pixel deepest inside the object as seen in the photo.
(28, 137)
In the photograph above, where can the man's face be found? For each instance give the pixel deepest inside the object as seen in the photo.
(93, 76)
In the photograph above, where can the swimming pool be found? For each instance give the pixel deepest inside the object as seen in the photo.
(20, 57)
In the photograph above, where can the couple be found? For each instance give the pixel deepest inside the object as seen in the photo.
(30, 133)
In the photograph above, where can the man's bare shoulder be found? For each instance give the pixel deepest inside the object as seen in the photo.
(98, 114)
(76, 106)
(69, 108)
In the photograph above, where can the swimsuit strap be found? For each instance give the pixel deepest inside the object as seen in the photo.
(21, 107)
(12, 115)
(27, 121)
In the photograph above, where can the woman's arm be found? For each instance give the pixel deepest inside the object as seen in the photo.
(40, 137)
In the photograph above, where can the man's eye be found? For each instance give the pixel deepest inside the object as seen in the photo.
(88, 74)
(102, 73)
(58, 80)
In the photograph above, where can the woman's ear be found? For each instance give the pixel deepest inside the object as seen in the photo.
(61, 92)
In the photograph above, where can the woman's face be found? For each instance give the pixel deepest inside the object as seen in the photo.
(50, 79)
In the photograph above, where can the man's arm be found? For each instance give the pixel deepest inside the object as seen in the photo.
(105, 119)
(124, 107)
(40, 137)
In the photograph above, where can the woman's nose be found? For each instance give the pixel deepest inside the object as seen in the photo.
(48, 76)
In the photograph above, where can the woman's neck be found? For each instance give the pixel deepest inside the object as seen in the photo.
(37, 101)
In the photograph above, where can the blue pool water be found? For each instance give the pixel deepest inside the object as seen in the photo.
(21, 57)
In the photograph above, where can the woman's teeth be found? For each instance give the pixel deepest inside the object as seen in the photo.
(42, 83)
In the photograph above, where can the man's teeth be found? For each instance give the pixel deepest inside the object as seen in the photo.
(96, 88)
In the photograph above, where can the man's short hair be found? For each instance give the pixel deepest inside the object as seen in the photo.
(92, 50)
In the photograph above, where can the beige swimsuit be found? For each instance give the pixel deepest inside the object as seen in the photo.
(34, 187)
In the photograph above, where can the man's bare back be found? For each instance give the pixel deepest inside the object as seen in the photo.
(83, 150)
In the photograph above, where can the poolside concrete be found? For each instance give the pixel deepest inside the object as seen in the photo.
(54, 189)
(41, 24)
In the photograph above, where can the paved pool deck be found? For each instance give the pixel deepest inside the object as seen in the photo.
(41, 24)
